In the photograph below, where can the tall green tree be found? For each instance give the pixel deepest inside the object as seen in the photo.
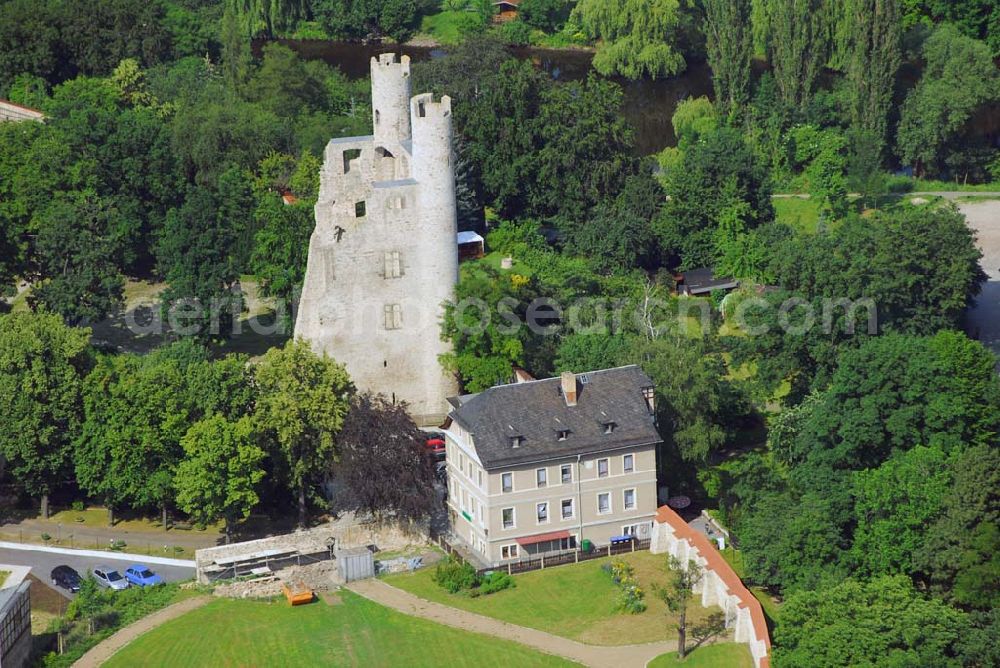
(720, 162)
(221, 468)
(799, 47)
(195, 253)
(960, 556)
(302, 400)
(875, 55)
(958, 78)
(267, 17)
(729, 44)
(42, 364)
(76, 262)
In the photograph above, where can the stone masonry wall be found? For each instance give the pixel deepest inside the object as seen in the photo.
(720, 585)
(383, 257)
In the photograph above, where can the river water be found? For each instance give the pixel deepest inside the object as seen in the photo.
(648, 104)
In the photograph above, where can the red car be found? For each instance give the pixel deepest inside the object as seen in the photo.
(435, 445)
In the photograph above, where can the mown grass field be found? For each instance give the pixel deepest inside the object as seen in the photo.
(721, 655)
(576, 601)
(353, 632)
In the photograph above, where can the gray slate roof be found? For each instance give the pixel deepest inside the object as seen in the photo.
(536, 411)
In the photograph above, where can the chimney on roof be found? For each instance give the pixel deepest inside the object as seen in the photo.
(568, 382)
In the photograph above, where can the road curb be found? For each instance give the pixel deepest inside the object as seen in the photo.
(100, 554)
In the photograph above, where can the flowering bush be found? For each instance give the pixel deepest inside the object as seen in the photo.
(631, 596)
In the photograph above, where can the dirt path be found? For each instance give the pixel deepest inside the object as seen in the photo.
(589, 655)
(103, 650)
(97, 538)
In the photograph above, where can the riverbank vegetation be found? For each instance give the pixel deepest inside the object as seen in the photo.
(856, 460)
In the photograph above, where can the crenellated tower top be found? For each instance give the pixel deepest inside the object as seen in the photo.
(390, 99)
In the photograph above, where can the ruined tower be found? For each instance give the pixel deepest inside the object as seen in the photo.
(383, 259)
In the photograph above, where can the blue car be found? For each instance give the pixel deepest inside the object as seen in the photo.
(141, 576)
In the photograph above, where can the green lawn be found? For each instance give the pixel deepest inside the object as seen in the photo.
(719, 655)
(448, 27)
(3, 577)
(801, 214)
(575, 601)
(355, 632)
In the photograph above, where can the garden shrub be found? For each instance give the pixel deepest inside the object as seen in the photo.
(496, 581)
(455, 576)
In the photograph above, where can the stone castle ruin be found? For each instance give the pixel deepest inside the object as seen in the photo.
(383, 259)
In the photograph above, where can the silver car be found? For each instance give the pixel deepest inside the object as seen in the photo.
(110, 577)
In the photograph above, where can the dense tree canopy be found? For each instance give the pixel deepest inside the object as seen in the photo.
(959, 76)
(881, 622)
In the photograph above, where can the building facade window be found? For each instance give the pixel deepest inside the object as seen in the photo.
(507, 482)
(630, 530)
(542, 512)
(507, 515)
(628, 463)
(566, 473)
(568, 543)
(567, 508)
(479, 478)
(393, 267)
(602, 468)
(541, 477)
(603, 503)
(629, 499)
(393, 316)
(509, 551)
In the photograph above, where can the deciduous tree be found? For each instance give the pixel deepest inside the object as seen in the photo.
(729, 44)
(383, 465)
(302, 400)
(42, 364)
(221, 467)
(638, 37)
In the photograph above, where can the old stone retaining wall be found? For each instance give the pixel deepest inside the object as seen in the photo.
(720, 585)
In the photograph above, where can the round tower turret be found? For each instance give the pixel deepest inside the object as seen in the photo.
(390, 99)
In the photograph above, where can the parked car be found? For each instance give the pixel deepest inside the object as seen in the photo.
(435, 445)
(109, 577)
(141, 576)
(65, 577)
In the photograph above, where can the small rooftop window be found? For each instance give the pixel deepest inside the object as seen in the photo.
(609, 427)
(515, 441)
(563, 434)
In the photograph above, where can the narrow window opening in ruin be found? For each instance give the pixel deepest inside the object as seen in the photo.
(385, 363)
(421, 110)
(349, 155)
(359, 209)
(378, 116)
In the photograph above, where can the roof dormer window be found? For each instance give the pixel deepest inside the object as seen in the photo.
(609, 427)
(562, 434)
(516, 441)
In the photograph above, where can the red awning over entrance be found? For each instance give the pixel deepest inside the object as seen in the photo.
(542, 537)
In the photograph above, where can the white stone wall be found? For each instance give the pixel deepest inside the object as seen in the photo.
(733, 598)
(375, 283)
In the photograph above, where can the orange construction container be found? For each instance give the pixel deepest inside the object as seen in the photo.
(299, 595)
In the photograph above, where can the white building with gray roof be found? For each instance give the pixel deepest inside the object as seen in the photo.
(541, 466)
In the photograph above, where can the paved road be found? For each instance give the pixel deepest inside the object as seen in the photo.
(983, 319)
(42, 564)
